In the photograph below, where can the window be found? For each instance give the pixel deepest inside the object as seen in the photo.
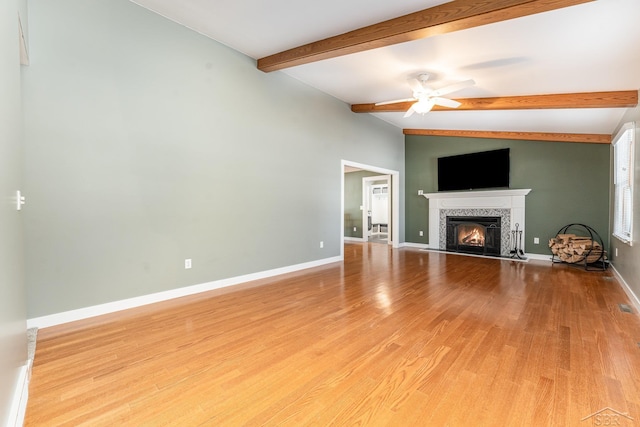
(623, 146)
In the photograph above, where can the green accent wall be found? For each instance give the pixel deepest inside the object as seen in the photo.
(569, 183)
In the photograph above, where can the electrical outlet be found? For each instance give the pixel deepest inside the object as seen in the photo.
(420, 192)
(187, 263)
(616, 251)
(536, 240)
(421, 233)
(321, 244)
(355, 229)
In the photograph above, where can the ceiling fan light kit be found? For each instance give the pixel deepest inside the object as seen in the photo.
(423, 106)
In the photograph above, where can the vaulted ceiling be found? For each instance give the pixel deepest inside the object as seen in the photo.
(543, 69)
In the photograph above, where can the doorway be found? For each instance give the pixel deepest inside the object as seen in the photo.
(376, 215)
(358, 212)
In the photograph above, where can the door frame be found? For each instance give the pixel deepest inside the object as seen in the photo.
(367, 184)
(394, 236)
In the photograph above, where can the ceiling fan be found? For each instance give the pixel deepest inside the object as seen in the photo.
(426, 98)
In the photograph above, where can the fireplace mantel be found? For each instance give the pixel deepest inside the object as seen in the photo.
(474, 194)
(513, 200)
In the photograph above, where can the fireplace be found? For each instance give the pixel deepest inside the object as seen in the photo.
(474, 234)
(509, 205)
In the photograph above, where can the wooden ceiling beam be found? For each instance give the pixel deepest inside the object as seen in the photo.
(449, 17)
(528, 136)
(611, 99)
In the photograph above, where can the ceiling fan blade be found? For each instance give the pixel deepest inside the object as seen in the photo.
(453, 87)
(446, 102)
(395, 101)
(409, 112)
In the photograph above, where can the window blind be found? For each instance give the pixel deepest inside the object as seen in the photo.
(623, 147)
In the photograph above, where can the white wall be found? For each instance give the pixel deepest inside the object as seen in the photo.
(147, 143)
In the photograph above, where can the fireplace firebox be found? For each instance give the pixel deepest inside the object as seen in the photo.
(473, 234)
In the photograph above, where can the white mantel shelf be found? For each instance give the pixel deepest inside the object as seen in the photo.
(512, 199)
(470, 194)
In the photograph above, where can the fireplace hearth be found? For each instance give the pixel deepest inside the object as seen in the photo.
(473, 234)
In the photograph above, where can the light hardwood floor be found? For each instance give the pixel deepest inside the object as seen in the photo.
(389, 337)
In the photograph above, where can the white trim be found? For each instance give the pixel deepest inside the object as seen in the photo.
(539, 257)
(111, 307)
(486, 193)
(354, 239)
(627, 290)
(20, 396)
(414, 245)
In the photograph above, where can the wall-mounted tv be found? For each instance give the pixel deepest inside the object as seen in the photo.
(473, 171)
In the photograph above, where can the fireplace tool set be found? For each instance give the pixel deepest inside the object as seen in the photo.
(516, 241)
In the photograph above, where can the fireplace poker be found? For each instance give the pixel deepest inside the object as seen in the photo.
(520, 244)
(517, 234)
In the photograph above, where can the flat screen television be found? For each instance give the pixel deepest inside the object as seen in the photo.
(473, 171)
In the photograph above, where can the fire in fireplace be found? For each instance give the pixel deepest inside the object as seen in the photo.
(477, 235)
(470, 235)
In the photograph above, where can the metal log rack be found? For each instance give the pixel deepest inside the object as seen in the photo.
(600, 264)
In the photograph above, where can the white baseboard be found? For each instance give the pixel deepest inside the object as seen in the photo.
(627, 290)
(354, 239)
(19, 401)
(111, 307)
(414, 245)
(538, 257)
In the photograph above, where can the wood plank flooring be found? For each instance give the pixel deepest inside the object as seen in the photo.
(390, 337)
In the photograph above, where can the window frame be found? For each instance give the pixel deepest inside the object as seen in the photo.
(623, 180)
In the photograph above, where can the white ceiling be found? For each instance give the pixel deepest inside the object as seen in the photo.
(590, 47)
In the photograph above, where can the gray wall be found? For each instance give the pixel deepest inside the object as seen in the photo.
(147, 143)
(569, 183)
(13, 337)
(627, 263)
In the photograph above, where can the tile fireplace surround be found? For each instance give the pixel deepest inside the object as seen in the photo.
(507, 204)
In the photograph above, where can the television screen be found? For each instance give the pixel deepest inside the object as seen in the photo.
(472, 171)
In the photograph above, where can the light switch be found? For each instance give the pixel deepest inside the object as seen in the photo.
(20, 200)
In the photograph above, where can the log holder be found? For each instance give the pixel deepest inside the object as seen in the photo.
(600, 264)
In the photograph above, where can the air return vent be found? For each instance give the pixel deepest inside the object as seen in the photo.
(626, 308)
